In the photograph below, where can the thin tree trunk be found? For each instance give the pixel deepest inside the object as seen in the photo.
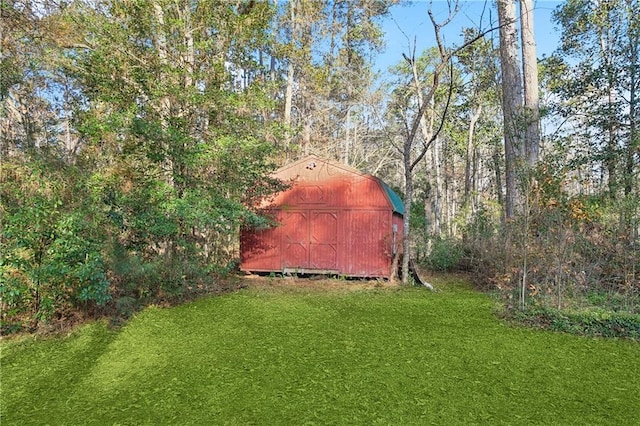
(436, 229)
(188, 58)
(633, 146)
(499, 193)
(469, 169)
(160, 42)
(449, 203)
(611, 158)
(306, 136)
(347, 138)
(288, 97)
(408, 196)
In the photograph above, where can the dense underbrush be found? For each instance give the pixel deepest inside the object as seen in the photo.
(84, 239)
(570, 264)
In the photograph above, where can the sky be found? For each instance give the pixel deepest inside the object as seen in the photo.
(409, 24)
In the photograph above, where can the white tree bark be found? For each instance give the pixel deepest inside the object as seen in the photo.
(530, 83)
(469, 166)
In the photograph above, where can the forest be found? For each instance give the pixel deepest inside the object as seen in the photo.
(136, 138)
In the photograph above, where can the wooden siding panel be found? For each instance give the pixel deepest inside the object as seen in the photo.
(260, 250)
(368, 194)
(369, 243)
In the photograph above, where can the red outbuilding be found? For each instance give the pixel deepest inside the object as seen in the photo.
(333, 220)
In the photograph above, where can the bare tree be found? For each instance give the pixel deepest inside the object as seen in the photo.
(413, 148)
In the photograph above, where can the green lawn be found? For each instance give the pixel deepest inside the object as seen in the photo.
(282, 356)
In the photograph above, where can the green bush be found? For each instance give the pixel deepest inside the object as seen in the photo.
(52, 241)
(445, 255)
(595, 323)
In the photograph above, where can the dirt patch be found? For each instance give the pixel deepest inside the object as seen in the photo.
(315, 283)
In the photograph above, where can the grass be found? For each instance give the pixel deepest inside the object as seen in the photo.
(306, 356)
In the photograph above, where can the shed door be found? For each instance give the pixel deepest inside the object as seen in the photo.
(296, 240)
(323, 240)
(310, 240)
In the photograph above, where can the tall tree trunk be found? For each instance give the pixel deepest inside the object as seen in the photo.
(633, 145)
(306, 135)
(426, 130)
(634, 136)
(288, 102)
(498, 173)
(511, 102)
(530, 83)
(347, 138)
(408, 196)
(288, 97)
(436, 227)
(451, 199)
(611, 160)
(164, 110)
(469, 169)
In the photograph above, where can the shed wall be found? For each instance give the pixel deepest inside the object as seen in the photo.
(348, 242)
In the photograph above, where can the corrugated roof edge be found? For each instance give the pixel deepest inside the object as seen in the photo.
(396, 201)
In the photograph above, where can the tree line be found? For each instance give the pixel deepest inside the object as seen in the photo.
(136, 137)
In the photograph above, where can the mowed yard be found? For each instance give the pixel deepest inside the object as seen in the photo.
(329, 352)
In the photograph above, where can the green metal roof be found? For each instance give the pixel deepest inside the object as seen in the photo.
(396, 201)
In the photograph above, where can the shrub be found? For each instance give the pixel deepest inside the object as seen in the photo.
(52, 244)
(445, 255)
(569, 251)
(595, 323)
